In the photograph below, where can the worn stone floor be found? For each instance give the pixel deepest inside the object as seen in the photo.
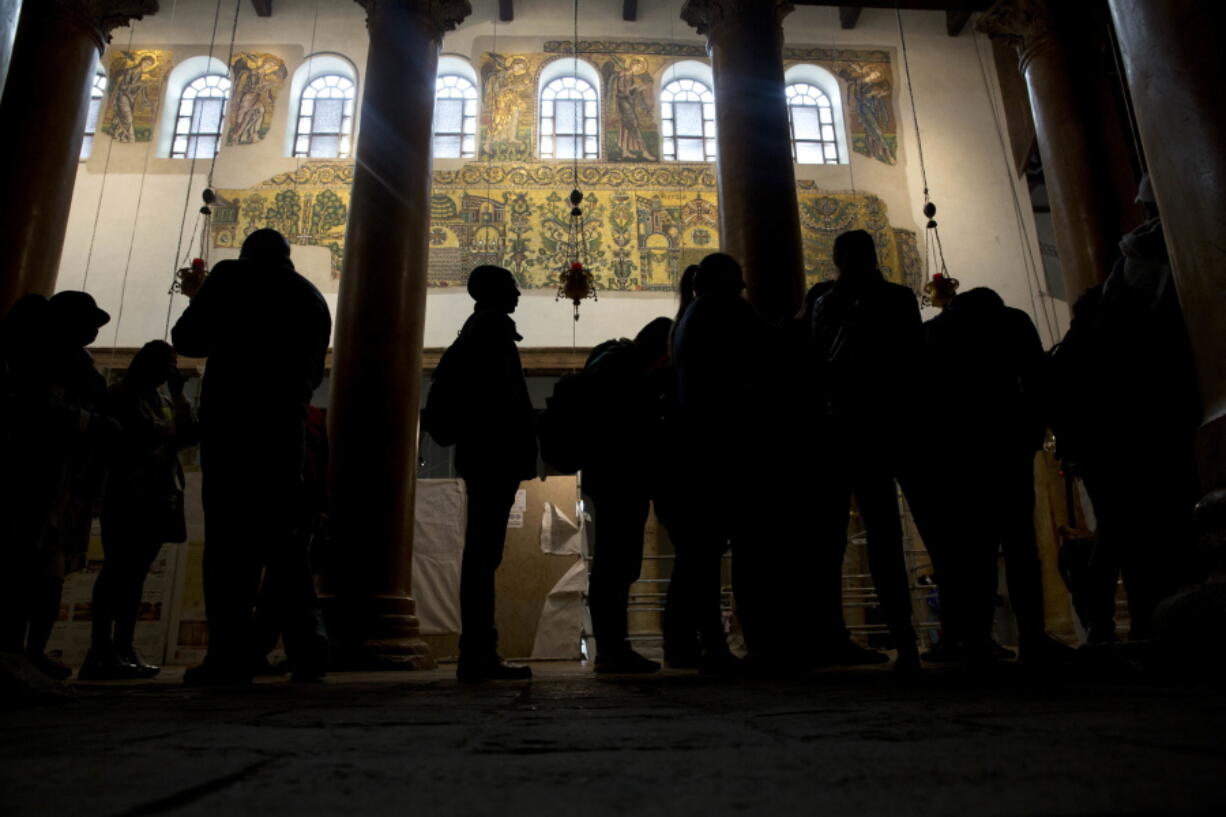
(836, 743)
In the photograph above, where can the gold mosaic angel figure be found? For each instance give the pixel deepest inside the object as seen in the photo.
(630, 86)
(507, 90)
(257, 77)
(129, 88)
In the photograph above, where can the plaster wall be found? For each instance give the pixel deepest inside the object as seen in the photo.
(129, 204)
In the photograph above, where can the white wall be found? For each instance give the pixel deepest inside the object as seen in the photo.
(967, 170)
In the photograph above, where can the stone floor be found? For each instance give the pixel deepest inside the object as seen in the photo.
(836, 743)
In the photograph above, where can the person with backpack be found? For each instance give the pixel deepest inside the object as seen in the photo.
(620, 471)
(479, 402)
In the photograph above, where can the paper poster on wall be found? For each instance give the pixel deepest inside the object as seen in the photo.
(71, 634)
(516, 519)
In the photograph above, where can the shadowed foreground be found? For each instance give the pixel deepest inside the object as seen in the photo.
(838, 743)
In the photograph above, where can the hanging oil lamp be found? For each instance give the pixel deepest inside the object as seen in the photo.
(575, 283)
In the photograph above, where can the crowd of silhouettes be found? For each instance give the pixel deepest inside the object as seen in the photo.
(746, 437)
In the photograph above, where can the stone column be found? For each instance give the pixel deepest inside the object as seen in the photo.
(758, 217)
(45, 103)
(376, 369)
(1080, 133)
(1174, 60)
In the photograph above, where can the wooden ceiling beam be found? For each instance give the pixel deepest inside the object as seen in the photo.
(849, 16)
(905, 5)
(630, 10)
(263, 8)
(506, 10)
(955, 21)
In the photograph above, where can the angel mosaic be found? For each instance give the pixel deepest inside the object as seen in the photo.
(135, 79)
(257, 80)
(508, 92)
(630, 86)
(869, 89)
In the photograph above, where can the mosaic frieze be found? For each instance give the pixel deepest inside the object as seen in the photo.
(644, 224)
(135, 80)
(258, 79)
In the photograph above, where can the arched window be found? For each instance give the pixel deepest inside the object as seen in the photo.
(455, 117)
(325, 118)
(687, 121)
(201, 119)
(570, 119)
(812, 119)
(96, 94)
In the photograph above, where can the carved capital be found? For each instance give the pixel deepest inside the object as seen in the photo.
(100, 17)
(440, 15)
(708, 15)
(1024, 24)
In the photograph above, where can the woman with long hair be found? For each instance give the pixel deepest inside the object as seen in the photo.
(142, 505)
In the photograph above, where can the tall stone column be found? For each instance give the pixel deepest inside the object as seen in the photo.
(376, 369)
(45, 103)
(1174, 60)
(1080, 135)
(758, 217)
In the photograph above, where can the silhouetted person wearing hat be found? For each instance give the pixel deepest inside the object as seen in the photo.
(142, 507)
(867, 337)
(60, 400)
(265, 331)
(495, 451)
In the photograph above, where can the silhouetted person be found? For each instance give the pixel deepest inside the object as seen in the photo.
(985, 359)
(717, 352)
(495, 451)
(142, 505)
(867, 338)
(621, 475)
(59, 401)
(265, 331)
(1125, 411)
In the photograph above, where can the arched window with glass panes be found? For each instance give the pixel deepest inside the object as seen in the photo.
(455, 118)
(202, 117)
(97, 93)
(687, 121)
(325, 118)
(570, 119)
(812, 120)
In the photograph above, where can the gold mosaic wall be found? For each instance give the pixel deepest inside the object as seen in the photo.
(645, 223)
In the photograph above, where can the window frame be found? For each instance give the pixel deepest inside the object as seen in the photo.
(97, 100)
(310, 95)
(589, 135)
(824, 112)
(470, 109)
(191, 145)
(685, 87)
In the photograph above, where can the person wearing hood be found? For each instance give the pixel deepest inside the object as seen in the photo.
(265, 331)
(1132, 440)
(984, 361)
(496, 449)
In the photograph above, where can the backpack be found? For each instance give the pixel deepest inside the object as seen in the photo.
(447, 403)
(563, 428)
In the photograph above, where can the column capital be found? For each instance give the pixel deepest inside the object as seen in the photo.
(441, 15)
(708, 15)
(100, 17)
(1024, 24)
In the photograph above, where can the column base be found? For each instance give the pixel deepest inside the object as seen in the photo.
(375, 634)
